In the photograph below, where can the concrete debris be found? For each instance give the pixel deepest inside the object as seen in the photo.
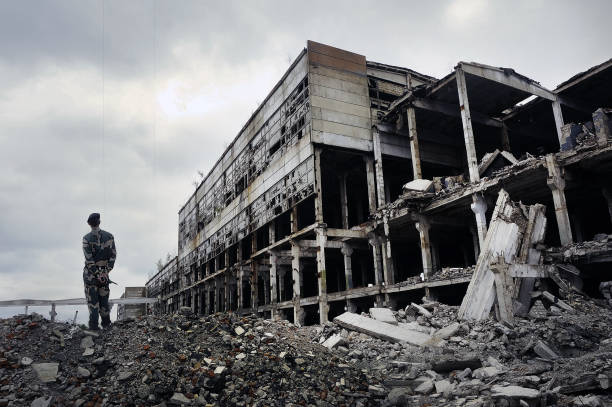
(544, 351)
(514, 392)
(421, 185)
(46, 372)
(380, 329)
(383, 315)
(333, 341)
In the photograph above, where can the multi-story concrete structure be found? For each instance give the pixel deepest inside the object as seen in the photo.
(304, 215)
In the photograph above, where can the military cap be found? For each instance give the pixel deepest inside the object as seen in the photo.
(93, 218)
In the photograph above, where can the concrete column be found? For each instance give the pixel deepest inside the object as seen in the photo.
(558, 114)
(422, 227)
(347, 252)
(479, 207)
(271, 233)
(216, 291)
(228, 290)
(296, 271)
(435, 256)
(273, 270)
(415, 154)
(293, 217)
(254, 285)
(344, 201)
(378, 169)
(281, 272)
(468, 133)
(378, 275)
(556, 183)
(371, 180)
(318, 186)
(607, 193)
(475, 241)
(266, 290)
(239, 288)
(194, 304)
(387, 255)
(322, 274)
(505, 138)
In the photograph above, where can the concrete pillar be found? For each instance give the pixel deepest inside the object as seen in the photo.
(558, 114)
(318, 186)
(240, 287)
(272, 278)
(479, 207)
(475, 241)
(422, 227)
(556, 183)
(281, 272)
(347, 251)
(228, 290)
(505, 138)
(607, 193)
(371, 180)
(194, 303)
(387, 255)
(271, 233)
(254, 285)
(344, 201)
(296, 271)
(293, 218)
(466, 119)
(378, 169)
(266, 281)
(435, 255)
(415, 154)
(216, 291)
(322, 274)
(378, 274)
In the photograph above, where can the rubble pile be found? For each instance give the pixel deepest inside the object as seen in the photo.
(175, 360)
(555, 356)
(551, 357)
(448, 273)
(601, 244)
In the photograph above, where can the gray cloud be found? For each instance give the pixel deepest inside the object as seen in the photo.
(178, 82)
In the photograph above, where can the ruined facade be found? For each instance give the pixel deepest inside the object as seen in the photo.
(311, 210)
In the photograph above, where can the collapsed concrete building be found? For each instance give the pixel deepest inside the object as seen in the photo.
(359, 184)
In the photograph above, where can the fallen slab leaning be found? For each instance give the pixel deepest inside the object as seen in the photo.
(381, 330)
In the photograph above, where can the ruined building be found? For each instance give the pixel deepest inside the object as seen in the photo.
(358, 183)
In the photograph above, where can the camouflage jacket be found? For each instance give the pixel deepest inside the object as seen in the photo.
(99, 250)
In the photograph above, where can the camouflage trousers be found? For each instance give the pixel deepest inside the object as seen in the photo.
(97, 300)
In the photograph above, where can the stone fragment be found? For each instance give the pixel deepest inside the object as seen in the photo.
(544, 351)
(420, 310)
(47, 372)
(239, 330)
(124, 375)
(179, 398)
(514, 392)
(383, 315)
(485, 372)
(41, 402)
(333, 341)
(26, 361)
(444, 386)
(448, 331)
(588, 401)
(380, 330)
(398, 396)
(421, 185)
(88, 352)
(87, 342)
(425, 388)
(83, 373)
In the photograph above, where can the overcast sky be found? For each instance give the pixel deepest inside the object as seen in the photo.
(114, 107)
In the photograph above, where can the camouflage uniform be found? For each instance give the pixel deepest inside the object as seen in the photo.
(100, 253)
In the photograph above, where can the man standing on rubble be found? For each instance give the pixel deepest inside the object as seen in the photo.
(100, 254)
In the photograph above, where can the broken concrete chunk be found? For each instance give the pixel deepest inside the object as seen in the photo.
(544, 351)
(420, 310)
(333, 341)
(421, 185)
(448, 331)
(384, 315)
(444, 386)
(559, 303)
(87, 342)
(425, 388)
(380, 330)
(486, 372)
(450, 364)
(47, 372)
(514, 392)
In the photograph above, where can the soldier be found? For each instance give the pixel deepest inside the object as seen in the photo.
(100, 253)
